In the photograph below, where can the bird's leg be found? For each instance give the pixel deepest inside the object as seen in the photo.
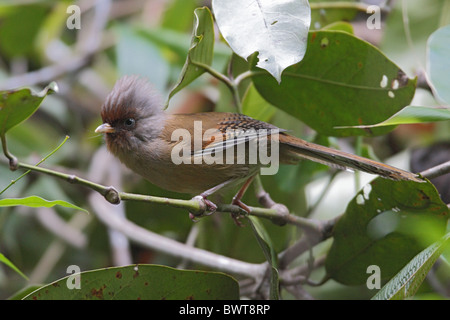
(237, 200)
(210, 206)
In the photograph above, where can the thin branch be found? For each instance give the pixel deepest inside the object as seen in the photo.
(306, 243)
(436, 171)
(194, 206)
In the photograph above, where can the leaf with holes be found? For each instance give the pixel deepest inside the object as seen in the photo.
(386, 224)
(140, 282)
(341, 81)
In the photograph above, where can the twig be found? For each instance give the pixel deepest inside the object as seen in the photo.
(305, 243)
(436, 171)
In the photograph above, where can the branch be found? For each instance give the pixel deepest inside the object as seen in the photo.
(436, 171)
(277, 214)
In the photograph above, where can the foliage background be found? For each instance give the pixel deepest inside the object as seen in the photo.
(152, 38)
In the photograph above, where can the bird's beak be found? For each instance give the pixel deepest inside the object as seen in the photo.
(105, 128)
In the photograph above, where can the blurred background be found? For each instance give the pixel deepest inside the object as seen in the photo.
(85, 46)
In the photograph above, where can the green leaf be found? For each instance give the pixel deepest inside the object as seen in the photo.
(406, 283)
(201, 50)
(386, 224)
(410, 115)
(266, 245)
(37, 202)
(18, 105)
(6, 261)
(438, 63)
(143, 282)
(341, 81)
(256, 107)
(278, 31)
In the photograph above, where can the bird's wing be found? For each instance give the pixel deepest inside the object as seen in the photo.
(232, 130)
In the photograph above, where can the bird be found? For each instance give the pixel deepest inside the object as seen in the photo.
(144, 137)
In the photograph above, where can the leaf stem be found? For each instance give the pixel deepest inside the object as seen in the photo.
(214, 73)
(232, 85)
(12, 159)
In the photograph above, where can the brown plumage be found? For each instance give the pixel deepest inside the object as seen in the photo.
(139, 133)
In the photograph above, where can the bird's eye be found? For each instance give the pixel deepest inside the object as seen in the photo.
(129, 123)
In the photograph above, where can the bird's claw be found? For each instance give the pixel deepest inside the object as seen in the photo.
(236, 216)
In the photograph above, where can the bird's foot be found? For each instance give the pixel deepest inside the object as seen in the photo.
(236, 216)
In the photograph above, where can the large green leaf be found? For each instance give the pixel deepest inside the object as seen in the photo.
(341, 81)
(201, 50)
(386, 224)
(438, 63)
(409, 279)
(17, 105)
(143, 282)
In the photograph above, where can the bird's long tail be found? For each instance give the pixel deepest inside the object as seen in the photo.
(296, 148)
